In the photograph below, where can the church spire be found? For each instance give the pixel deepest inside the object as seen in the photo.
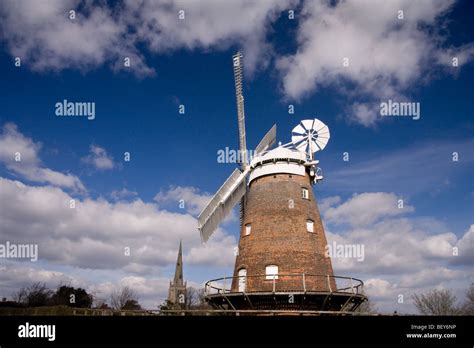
(177, 290)
(178, 274)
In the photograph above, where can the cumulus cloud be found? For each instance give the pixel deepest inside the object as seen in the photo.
(88, 243)
(403, 254)
(103, 34)
(466, 248)
(185, 197)
(20, 155)
(384, 55)
(328, 202)
(95, 233)
(218, 251)
(48, 39)
(366, 208)
(208, 24)
(123, 194)
(95, 259)
(99, 158)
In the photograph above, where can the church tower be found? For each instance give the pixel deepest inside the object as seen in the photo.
(177, 290)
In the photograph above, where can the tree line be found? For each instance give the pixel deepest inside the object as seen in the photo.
(125, 298)
(39, 295)
(433, 302)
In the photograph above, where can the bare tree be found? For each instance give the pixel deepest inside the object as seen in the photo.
(437, 302)
(99, 302)
(468, 307)
(192, 298)
(35, 295)
(119, 299)
(20, 296)
(195, 299)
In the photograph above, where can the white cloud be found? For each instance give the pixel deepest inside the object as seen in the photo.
(87, 243)
(380, 288)
(207, 24)
(48, 40)
(386, 55)
(431, 277)
(95, 233)
(366, 208)
(218, 251)
(466, 248)
(402, 255)
(185, 197)
(328, 202)
(364, 114)
(13, 144)
(123, 194)
(99, 158)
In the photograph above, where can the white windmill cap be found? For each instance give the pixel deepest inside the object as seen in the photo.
(280, 153)
(278, 161)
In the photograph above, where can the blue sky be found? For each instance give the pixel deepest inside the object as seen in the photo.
(174, 155)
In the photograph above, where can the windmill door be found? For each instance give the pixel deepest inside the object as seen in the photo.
(242, 279)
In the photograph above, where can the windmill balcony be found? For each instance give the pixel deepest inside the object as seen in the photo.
(286, 291)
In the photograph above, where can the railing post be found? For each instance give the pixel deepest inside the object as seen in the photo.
(329, 284)
(304, 283)
(352, 286)
(224, 285)
(273, 283)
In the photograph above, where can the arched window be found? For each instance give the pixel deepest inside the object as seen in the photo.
(304, 193)
(248, 229)
(310, 225)
(242, 279)
(271, 272)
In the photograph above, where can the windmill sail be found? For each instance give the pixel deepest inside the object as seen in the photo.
(267, 141)
(222, 203)
(237, 58)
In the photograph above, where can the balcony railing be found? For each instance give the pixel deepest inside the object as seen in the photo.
(284, 283)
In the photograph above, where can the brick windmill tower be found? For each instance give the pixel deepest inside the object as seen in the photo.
(281, 262)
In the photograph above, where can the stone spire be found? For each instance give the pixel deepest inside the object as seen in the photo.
(178, 273)
(177, 290)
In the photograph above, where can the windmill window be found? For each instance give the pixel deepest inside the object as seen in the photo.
(248, 229)
(304, 193)
(242, 279)
(310, 225)
(271, 272)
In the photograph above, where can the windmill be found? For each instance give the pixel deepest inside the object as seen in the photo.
(282, 241)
